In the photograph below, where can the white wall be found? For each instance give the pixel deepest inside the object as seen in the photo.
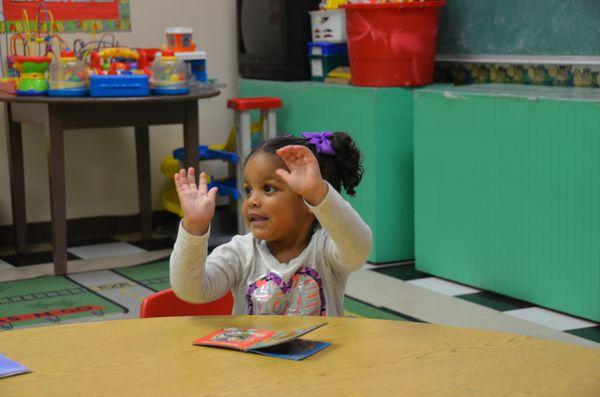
(100, 164)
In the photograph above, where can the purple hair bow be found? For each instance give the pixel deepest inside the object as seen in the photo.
(321, 140)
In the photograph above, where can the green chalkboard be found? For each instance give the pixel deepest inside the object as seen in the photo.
(520, 27)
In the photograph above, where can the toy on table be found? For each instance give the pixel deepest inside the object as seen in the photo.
(115, 61)
(195, 63)
(32, 74)
(179, 40)
(168, 75)
(146, 58)
(117, 72)
(68, 76)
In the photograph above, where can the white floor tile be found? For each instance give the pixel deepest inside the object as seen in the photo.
(5, 265)
(115, 287)
(550, 319)
(443, 286)
(105, 250)
(424, 304)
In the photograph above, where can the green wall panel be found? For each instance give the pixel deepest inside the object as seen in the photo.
(507, 191)
(380, 121)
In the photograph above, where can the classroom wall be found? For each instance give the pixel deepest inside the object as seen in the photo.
(100, 164)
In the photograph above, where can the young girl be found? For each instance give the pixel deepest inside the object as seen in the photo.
(304, 238)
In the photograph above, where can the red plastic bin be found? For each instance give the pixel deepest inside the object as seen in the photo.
(392, 44)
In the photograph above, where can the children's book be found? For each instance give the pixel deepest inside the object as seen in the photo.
(280, 344)
(9, 367)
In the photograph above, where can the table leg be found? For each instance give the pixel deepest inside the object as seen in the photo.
(14, 145)
(142, 147)
(190, 135)
(53, 130)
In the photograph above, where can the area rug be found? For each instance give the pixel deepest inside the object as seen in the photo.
(49, 299)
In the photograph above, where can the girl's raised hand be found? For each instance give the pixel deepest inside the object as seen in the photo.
(197, 202)
(304, 176)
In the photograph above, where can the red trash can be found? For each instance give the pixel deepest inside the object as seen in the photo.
(392, 44)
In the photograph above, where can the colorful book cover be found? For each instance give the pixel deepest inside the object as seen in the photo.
(281, 344)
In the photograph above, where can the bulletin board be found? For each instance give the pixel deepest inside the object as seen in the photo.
(66, 15)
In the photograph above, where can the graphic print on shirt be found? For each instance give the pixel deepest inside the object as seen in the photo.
(301, 295)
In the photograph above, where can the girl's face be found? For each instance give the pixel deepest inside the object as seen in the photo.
(273, 211)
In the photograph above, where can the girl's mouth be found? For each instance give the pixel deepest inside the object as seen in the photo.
(257, 220)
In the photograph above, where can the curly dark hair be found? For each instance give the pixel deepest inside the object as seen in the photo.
(344, 168)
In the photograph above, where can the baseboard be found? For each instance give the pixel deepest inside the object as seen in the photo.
(83, 228)
(224, 223)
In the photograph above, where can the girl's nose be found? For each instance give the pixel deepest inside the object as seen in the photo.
(253, 201)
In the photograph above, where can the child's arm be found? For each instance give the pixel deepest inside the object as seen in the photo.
(198, 278)
(350, 235)
(190, 278)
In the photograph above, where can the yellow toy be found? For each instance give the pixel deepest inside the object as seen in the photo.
(334, 4)
(119, 52)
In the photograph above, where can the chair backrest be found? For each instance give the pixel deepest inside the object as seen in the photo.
(167, 304)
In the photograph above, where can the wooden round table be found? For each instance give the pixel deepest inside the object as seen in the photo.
(155, 357)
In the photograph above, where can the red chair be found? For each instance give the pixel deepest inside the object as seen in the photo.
(167, 304)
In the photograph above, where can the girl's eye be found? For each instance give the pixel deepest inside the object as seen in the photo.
(248, 191)
(269, 188)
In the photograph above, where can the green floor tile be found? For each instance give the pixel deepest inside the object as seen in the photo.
(363, 309)
(154, 276)
(495, 301)
(402, 272)
(592, 333)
